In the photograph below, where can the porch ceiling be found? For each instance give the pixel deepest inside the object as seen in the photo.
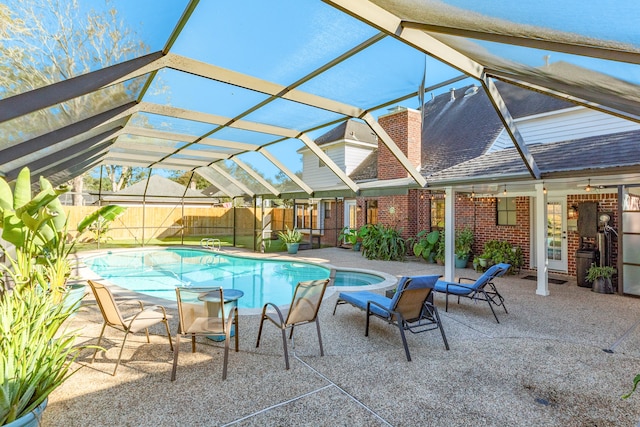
(233, 90)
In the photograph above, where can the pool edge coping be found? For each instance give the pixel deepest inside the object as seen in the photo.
(85, 273)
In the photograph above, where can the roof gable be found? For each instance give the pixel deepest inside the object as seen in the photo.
(158, 186)
(349, 130)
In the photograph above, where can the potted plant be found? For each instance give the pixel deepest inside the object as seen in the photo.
(424, 244)
(439, 255)
(351, 236)
(463, 245)
(601, 278)
(497, 251)
(291, 238)
(37, 352)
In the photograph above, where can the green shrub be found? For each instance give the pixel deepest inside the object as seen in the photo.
(382, 243)
(498, 251)
(464, 242)
(424, 244)
(351, 235)
(439, 256)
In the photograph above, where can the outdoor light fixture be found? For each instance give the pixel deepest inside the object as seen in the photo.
(544, 190)
(572, 212)
(588, 187)
(505, 190)
(473, 194)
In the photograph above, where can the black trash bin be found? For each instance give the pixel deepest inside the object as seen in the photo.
(584, 258)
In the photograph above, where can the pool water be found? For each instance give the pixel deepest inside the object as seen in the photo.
(158, 272)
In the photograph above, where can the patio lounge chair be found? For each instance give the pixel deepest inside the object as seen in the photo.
(201, 313)
(409, 309)
(143, 319)
(304, 307)
(477, 289)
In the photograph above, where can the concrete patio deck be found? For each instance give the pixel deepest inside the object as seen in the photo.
(543, 365)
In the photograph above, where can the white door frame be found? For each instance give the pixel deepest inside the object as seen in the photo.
(555, 264)
(349, 207)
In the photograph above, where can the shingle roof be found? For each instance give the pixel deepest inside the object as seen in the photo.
(159, 189)
(592, 153)
(368, 169)
(351, 129)
(464, 128)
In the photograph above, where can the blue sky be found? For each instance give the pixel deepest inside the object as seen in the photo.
(282, 41)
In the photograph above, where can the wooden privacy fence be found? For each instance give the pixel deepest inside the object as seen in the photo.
(277, 219)
(159, 222)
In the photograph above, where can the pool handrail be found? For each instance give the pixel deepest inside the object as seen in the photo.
(211, 243)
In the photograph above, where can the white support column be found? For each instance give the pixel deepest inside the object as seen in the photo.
(541, 240)
(449, 234)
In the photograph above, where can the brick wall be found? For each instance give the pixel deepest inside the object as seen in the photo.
(333, 224)
(404, 127)
(396, 211)
(420, 205)
(481, 215)
(412, 213)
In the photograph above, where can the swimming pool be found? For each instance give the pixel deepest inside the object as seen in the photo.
(158, 272)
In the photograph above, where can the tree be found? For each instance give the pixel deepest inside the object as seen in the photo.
(93, 182)
(184, 178)
(122, 176)
(114, 178)
(46, 41)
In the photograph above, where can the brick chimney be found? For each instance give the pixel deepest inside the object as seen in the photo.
(404, 126)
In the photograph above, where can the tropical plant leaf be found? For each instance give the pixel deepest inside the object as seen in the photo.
(13, 229)
(109, 212)
(43, 198)
(22, 189)
(56, 205)
(6, 196)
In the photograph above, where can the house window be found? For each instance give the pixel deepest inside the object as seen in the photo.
(372, 212)
(506, 211)
(327, 210)
(437, 214)
(304, 217)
